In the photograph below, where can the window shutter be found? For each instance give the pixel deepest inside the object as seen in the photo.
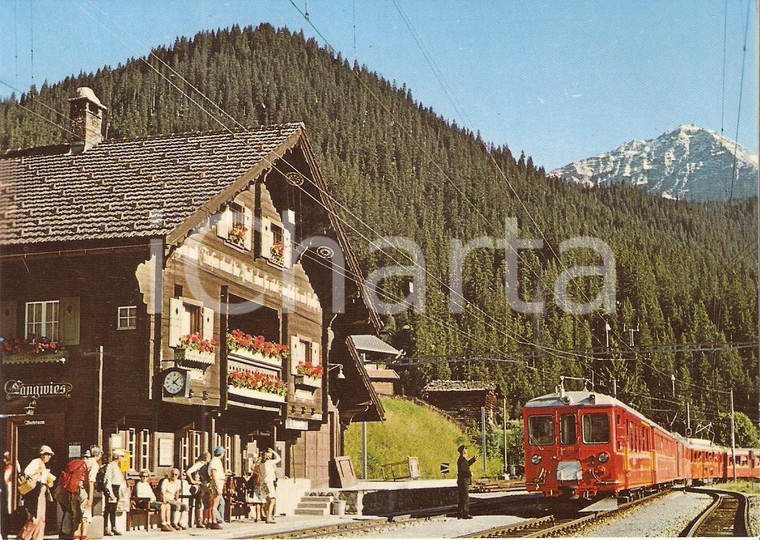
(266, 238)
(176, 317)
(225, 224)
(248, 222)
(286, 249)
(68, 320)
(315, 360)
(295, 353)
(288, 224)
(208, 323)
(8, 319)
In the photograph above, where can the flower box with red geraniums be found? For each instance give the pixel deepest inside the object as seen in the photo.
(308, 374)
(277, 254)
(257, 386)
(194, 348)
(256, 347)
(236, 235)
(17, 350)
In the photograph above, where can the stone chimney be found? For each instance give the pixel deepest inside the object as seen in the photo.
(86, 113)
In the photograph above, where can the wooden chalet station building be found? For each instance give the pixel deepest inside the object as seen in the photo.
(174, 293)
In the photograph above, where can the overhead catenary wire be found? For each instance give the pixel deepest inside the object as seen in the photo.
(451, 182)
(548, 350)
(336, 201)
(739, 108)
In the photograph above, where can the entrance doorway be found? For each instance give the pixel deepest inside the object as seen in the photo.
(25, 435)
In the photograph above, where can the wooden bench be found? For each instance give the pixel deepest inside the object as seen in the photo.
(235, 504)
(399, 470)
(140, 506)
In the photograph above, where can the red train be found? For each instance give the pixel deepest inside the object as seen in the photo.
(582, 444)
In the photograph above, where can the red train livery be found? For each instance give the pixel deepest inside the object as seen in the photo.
(582, 444)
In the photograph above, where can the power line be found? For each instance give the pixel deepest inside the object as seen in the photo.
(739, 109)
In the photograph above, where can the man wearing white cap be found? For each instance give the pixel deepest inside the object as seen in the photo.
(113, 481)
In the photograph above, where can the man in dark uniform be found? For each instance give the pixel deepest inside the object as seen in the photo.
(464, 479)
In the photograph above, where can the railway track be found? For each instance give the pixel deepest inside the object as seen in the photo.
(368, 526)
(552, 526)
(728, 515)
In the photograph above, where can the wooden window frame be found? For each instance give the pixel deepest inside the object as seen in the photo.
(128, 321)
(195, 312)
(45, 319)
(145, 441)
(130, 440)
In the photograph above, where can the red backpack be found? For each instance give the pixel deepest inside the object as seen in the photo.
(75, 472)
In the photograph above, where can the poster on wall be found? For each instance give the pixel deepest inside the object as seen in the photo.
(165, 452)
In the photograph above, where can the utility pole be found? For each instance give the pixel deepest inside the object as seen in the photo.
(483, 441)
(688, 419)
(607, 329)
(630, 332)
(364, 450)
(504, 426)
(733, 436)
(99, 427)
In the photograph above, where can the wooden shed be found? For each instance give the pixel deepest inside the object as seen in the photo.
(464, 399)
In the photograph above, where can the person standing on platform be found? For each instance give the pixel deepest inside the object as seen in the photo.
(268, 470)
(35, 502)
(198, 476)
(78, 512)
(464, 479)
(113, 480)
(6, 500)
(218, 477)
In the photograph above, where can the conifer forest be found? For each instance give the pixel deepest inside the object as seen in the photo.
(686, 272)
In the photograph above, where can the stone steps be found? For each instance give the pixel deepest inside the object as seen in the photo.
(314, 505)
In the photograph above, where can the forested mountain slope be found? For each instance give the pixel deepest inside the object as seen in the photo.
(686, 272)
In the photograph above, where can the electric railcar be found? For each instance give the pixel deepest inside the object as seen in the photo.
(582, 444)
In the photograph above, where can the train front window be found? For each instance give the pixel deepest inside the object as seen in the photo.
(596, 428)
(567, 432)
(541, 430)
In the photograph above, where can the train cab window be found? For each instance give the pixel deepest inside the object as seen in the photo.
(541, 430)
(596, 428)
(567, 431)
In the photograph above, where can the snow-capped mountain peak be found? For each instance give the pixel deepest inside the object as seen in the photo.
(688, 163)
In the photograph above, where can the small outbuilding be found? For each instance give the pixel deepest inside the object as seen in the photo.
(464, 399)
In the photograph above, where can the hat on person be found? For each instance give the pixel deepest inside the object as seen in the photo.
(461, 448)
(117, 453)
(144, 472)
(219, 451)
(45, 449)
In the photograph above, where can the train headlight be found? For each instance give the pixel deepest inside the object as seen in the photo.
(535, 459)
(604, 457)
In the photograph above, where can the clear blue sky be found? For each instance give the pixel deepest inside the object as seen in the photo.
(561, 80)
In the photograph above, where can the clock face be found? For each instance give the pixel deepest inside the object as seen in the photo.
(174, 382)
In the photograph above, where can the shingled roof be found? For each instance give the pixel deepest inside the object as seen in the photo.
(440, 385)
(128, 188)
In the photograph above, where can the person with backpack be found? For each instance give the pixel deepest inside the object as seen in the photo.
(76, 493)
(112, 482)
(199, 477)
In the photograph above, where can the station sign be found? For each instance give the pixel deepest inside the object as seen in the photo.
(19, 389)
